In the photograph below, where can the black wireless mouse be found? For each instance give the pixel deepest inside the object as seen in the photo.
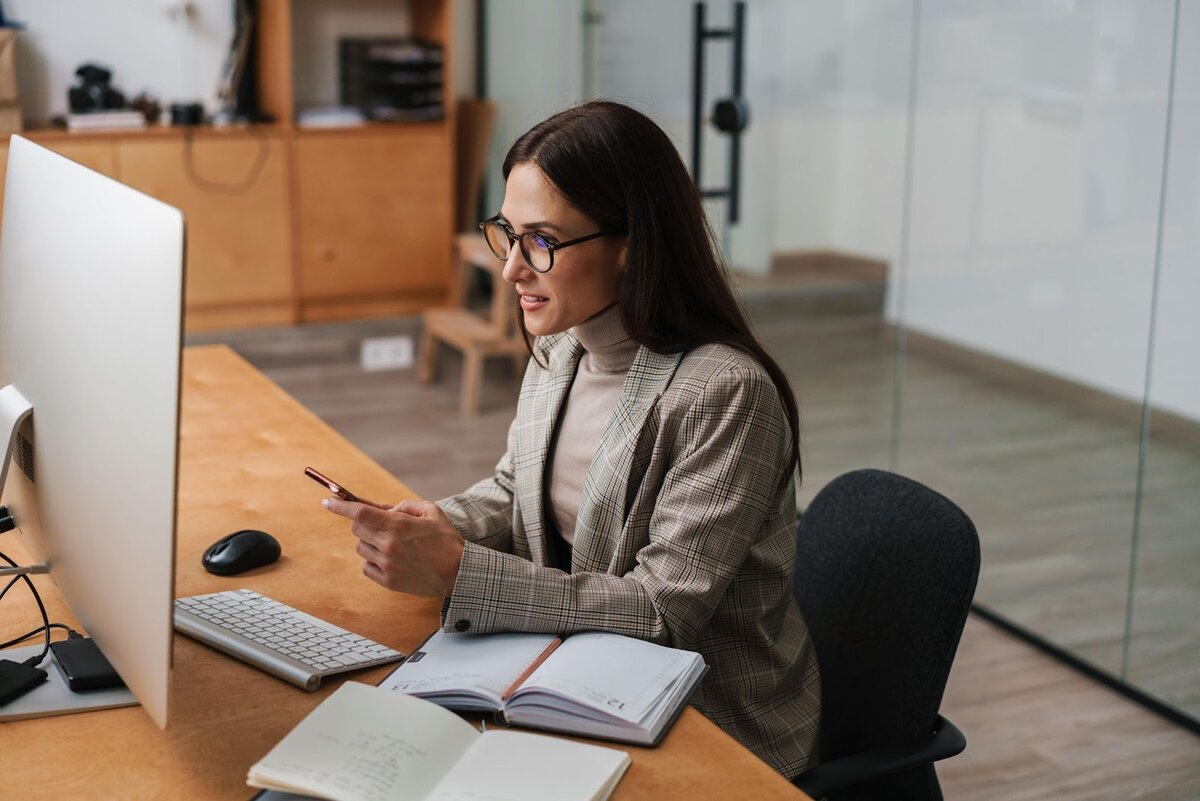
(241, 551)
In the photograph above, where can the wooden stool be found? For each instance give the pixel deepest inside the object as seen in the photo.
(476, 337)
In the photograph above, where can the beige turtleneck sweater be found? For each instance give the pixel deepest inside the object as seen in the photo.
(608, 353)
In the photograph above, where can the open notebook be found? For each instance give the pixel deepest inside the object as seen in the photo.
(366, 744)
(592, 684)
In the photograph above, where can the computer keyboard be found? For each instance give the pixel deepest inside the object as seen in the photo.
(277, 638)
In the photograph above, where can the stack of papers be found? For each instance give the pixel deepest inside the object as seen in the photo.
(330, 117)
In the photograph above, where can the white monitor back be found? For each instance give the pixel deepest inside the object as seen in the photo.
(91, 306)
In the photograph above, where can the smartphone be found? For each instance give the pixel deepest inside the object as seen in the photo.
(332, 486)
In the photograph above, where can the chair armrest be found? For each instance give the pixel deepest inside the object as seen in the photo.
(830, 777)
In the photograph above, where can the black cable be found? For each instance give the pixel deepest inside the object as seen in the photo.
(8, 586)
(238, 188)
(70, 631)
(34, 661)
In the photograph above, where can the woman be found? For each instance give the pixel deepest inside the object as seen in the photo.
(649, 483)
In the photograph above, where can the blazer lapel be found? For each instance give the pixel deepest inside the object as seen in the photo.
(562, 354)
(608, 476)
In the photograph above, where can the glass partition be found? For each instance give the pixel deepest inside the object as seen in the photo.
(954, 239)
(1163, 653)
(1037, 154)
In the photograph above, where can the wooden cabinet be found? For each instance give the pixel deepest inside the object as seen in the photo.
(373, 212)
(233, 189)
(97, 155)
(286, 224)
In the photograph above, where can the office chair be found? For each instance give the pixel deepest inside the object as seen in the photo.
(885, 573)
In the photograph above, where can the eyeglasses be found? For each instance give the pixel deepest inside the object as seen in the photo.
(538, 249)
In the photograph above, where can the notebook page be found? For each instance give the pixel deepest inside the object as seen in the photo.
(486, 664)
(363, 744)
(514, 766)
(617, 675)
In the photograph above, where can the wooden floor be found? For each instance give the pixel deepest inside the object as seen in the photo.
(1038, 730)
(1050, 489)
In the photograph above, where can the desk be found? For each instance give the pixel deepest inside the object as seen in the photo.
(243, 446)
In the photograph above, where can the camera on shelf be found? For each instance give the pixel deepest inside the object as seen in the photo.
(187, 114)
(94, 92)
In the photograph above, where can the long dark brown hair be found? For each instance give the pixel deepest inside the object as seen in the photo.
(616, 166)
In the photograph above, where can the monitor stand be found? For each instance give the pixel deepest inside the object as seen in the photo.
(14, 409)
(53, 697)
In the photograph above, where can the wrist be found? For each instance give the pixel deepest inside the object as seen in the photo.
(451, 575)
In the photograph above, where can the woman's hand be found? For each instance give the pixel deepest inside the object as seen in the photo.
(411, 547)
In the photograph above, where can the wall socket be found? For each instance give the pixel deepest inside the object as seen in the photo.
(386, 353)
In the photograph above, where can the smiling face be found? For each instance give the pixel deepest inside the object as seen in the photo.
(585, 277)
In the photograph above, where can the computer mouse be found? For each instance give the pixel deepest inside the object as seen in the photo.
(241, 551)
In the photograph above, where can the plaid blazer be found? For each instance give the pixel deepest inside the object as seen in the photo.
(685, 536)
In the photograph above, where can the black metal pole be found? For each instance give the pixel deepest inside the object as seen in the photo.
(697, 89)
(735, 145)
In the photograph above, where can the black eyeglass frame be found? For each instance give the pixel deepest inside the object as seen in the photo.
(519, 239)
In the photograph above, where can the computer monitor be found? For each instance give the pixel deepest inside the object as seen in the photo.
(91, 304)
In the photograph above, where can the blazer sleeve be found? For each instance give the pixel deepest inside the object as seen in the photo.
(483, 514)
(731, 453)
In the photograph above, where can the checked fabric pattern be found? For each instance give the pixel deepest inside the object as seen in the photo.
(685, 536)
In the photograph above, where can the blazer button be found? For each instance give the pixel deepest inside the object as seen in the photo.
(462, 625)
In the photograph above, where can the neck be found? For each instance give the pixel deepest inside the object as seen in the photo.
(604, 337)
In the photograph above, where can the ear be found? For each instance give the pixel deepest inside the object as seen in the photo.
(623, 256)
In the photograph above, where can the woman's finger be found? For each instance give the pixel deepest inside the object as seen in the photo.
(367, 551)
(372, 571)
(368, 515)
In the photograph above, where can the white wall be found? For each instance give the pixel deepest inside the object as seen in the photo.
(1037, 163)
(1175, 380)
(147, 47)
(534, 69)
(788, 184)
(150, 46)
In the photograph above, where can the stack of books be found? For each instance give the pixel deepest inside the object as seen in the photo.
(107, 121)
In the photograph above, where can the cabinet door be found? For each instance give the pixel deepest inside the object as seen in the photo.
(233, 191)
(96, 154)
(375, 220)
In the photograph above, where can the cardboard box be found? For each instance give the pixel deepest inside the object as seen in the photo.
(10, 119)
(8, 66)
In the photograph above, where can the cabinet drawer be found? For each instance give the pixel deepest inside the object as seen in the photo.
(233, 191)
(375, 214)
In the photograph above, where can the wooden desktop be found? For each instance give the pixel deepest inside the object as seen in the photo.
(244, 444)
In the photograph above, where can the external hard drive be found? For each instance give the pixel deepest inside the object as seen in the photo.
(82, 665)
(16, 679)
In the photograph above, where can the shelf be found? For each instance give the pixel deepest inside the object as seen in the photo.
(152, 132)
(423, 126)
(210, 131)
